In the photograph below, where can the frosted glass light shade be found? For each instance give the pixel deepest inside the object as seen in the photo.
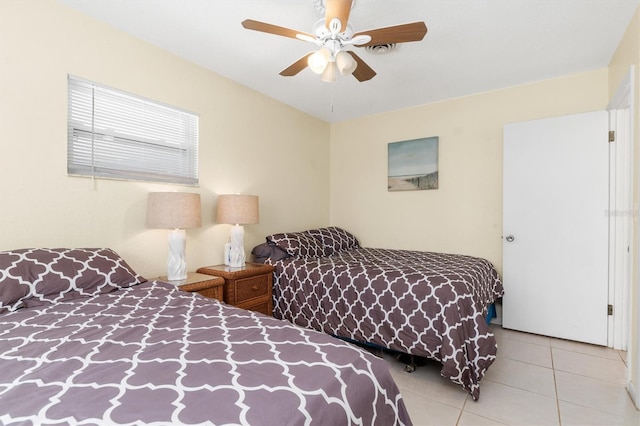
(345, 62)
(318, 61)
(329, 74)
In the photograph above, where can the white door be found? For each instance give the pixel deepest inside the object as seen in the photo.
(555, 227)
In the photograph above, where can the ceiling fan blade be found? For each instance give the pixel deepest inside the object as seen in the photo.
(337, 9)
(297, 66)
(395, 34)
(250, 24)
(363, 72)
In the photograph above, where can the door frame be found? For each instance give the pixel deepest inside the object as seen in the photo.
(621, 215)
(627, 86)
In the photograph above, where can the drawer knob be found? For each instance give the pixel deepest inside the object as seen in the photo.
(254, 287)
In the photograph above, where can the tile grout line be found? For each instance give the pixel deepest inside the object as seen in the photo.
(555, 385)
(464, 404)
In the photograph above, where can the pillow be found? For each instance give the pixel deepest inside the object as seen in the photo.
(39, 276)
(266, 251)
(334, 239)
(298, 244)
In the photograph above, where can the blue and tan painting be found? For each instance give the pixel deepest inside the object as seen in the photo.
(413, 164)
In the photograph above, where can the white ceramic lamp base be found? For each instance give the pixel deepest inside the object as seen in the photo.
(176, 263)
(236, 252)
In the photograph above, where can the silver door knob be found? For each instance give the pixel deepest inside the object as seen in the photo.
(510, 238)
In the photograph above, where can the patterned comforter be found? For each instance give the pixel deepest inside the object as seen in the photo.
(150, 354)
(421, 303)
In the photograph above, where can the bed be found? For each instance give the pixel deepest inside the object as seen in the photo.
(86, 340)
(424, 304)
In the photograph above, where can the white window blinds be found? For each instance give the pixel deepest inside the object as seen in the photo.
(116, 135)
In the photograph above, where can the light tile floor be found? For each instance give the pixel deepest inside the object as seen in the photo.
(535, 380)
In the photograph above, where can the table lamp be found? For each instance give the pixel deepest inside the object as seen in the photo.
(176, 211)
(237, 210)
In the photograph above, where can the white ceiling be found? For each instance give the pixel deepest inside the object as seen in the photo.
(471, 46)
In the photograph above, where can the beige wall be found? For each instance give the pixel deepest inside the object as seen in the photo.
(627, 55)
(245, 138)
(465, 214)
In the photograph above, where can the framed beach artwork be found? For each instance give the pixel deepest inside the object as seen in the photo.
(413, 165)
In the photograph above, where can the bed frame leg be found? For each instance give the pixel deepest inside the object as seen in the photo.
(410, 368)
(409, 361)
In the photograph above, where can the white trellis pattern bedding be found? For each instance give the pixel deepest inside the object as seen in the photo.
(421, 303)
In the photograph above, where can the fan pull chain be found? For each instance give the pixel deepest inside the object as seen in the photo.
(332, 86)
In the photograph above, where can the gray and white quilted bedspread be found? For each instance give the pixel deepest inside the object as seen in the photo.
(421, 303)
(151, 354)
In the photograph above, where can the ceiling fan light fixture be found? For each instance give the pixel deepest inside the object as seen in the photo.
(360, 39)
(318, 61)
(333, 34)
(305, 37)
(345, 62)
(335, 26)
(320, 5)
(329, 73)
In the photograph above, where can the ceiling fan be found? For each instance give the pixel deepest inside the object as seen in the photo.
(333, 35)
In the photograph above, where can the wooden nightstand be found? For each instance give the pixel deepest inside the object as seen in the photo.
(248, 287)
(206, 285)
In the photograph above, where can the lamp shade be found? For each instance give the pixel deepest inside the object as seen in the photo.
(345, 62)
(237, 209)
(329, 73)
(318, 61)
(173, 210)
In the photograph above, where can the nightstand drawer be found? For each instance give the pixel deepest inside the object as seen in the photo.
(247, 287)
(262, 307)
(250, 288)
(213, 293)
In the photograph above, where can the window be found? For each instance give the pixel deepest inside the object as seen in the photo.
(117, 135)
